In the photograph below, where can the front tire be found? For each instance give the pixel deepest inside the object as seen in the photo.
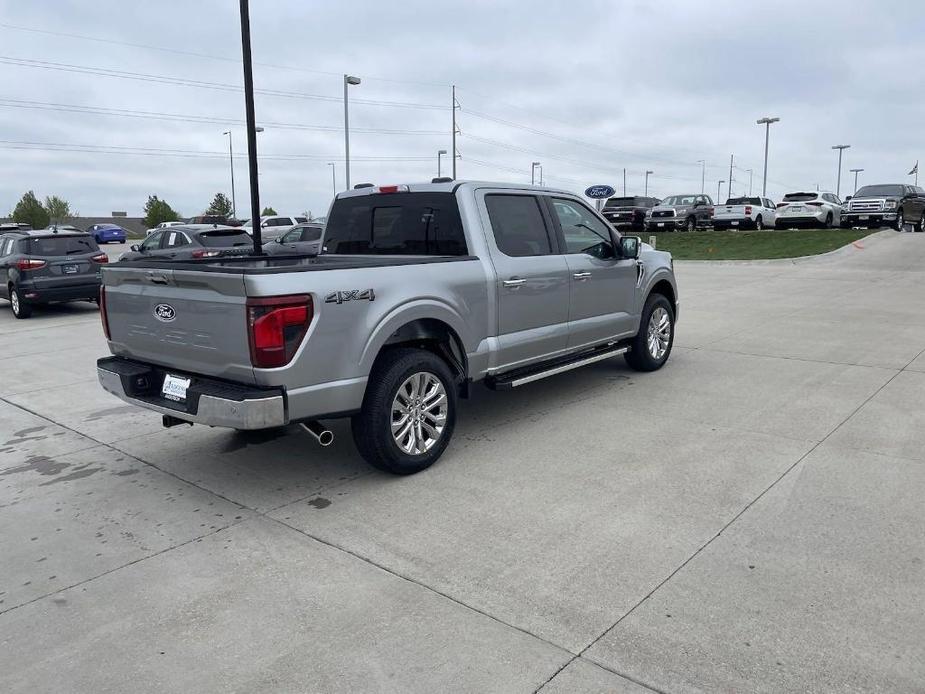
(652, 345)
(409, 412)
(759, 224)
(690, 225)
(18, 305)
(900, 221)
(921, 225)
(828, 220)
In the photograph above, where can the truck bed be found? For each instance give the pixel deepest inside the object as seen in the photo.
(268, 264)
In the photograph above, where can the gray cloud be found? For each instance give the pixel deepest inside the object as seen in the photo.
(616, 84)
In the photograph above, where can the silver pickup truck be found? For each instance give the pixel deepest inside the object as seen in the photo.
(419, 292)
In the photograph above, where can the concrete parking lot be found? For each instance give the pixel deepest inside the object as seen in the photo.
(749, 518)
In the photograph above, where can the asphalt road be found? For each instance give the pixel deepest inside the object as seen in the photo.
(750, 518)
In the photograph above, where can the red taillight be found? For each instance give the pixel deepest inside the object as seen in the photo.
(276, 327)
(202, 253)
(30, 263)
(100, 258)
(815, 204)
(104, 317)
(748, 209)
(393, 189)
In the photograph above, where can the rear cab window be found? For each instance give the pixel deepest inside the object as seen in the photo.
(61, 245)
(396, 224)
(518, 225)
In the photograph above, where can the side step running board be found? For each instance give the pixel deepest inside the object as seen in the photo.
(519, 377)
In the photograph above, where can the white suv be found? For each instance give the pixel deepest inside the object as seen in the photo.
(275, 226)
(813, 209)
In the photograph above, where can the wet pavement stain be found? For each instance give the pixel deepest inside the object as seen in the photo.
(126, 473)
(101, 414)
(76, 475)
(37, 463)
(320, 502)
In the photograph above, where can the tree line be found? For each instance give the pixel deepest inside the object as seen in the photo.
(37, 214)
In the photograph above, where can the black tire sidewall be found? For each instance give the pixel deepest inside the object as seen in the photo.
(371, 427)
(639, 357)
(24, 309)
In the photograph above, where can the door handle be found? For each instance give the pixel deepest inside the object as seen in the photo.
(581, 276)
(513, 283)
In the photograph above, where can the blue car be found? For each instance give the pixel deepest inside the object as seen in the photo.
(107, 233)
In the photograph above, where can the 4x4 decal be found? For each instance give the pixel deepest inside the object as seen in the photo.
(350, 295)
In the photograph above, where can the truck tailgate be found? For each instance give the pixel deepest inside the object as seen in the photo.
(187, 320)
(730, 212)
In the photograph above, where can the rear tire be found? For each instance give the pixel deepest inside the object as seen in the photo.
(828, 220)
(652, 345)
(921, 225)
(18, 305)
(411, 395)
(690, 225)
(759, 224)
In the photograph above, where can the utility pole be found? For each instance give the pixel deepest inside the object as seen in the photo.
(719, 187)
(647, 182)
(856, 172)
(533, 166)
(767, 132)
(703, 174)
(624, 181)
(455, 106)
(729, 185)
(231, 161)
(251, 124)
(348, 80)
(840, 148)
(333, 176)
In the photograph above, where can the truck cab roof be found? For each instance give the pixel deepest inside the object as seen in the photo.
(443, 187)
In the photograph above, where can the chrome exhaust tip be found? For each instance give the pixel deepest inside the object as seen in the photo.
(324, 437)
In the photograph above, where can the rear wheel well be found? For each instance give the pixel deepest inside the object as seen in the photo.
(664, 288)
(435, 336)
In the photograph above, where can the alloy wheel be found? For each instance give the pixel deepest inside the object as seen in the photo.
(658, 333)
(14, 301)
(419, 412)
(900, 221)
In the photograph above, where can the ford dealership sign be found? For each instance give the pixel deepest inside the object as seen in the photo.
(599, 192)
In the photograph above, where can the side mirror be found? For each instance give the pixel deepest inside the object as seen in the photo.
(847, 198)
(134, 247)
(629, 247)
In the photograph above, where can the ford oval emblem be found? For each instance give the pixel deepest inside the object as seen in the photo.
(598, 192)
(164, 313)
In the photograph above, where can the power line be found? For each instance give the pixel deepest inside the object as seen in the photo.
(209, 56)
(193, 118)
(199, 84)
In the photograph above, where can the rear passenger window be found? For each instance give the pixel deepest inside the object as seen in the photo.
(176, 239)
(396, 224)
(518, 225)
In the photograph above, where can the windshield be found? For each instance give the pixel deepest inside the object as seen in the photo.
(743, 201)
(866, 191)
(225, 239)
(799, 197)
(62, 245)
(679, 200)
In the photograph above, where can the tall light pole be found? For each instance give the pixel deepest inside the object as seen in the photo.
(231, 163)
(767, 134)
(647, 182)
(333, 176)
(840, 148)
(719, 186)
(348, 80)
(533, 166)
(703, 174)
(856, 172)
(750, 172)
(540, 167)
(440, 153)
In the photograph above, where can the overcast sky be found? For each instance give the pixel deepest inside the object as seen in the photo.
(587, 88)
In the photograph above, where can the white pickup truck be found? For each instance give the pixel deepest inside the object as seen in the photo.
(745, 213)
(421, 290)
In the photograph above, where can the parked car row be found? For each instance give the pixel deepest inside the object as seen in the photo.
(895, 205)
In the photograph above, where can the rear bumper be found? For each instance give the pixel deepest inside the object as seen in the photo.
(738, 223)
(208, 401)
(71, 292)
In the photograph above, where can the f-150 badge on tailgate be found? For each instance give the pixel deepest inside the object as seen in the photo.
(350, 295)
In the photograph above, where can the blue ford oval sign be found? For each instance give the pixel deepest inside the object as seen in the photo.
(598, 192)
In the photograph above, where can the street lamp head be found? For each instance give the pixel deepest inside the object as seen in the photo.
(855, 170)
(766, 121)
(841, 146)
(350, 79)
(536, 163)
(441, 151)
(227, 132)
(258, 129)
(649, 172)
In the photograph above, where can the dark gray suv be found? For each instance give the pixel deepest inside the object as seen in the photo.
(44, 267)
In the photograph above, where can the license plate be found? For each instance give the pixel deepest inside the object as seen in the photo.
(69, 269)
(864, 216)
(795, 208)
(735, 224)
(661, 224)
(174, 388)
